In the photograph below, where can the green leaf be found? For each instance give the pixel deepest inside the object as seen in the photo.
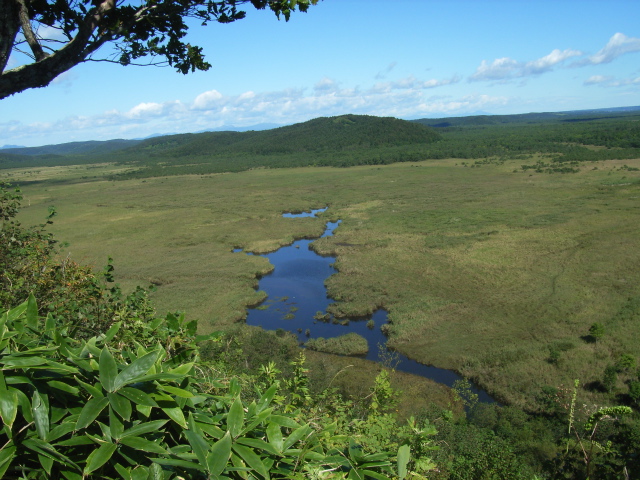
(95, 392)
(108, 369)
(116, 427)
(135, 370)
(235, 418)
(253, 460)
(198, 444)
(40, 410)
(60, 430)
(155, 472)
(8, 405)
(258, 419)
(175, 414)
(50, 326)
(43, 448)
(173, 462)
(284, 421)
(90, 411)
(178, 392)
(295, 436)
(22, 362)
(32, 313)
(218, 457)
(143, 444)
(46, 462)
(65, 387)
(121, 405)
(183, 369)
(274, 434)
(404, 455)
(137, 396)
(140, 473)
(75, 441)
(7, 454)
(145, 427)
(371, 473)
(99, 457)
(258, 444)
(113, 330)
(267, 397)
(61, 368)
(15, 313)
(124, 472)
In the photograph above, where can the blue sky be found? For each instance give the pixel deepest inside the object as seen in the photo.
(402, 58)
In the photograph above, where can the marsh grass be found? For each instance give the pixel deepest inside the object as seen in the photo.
(347, 344)
(480, 269)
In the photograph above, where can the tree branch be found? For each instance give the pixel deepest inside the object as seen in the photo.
(9, 26)
(27, 31)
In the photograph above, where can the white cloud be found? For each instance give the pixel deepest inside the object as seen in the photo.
(326, 85)
(598, 79)
(618, 45)
(499, 69)
(507, 68)
(145, 110)
(404, 98)
(547, 62)
(610, 81)
(207, 100)
(412, 83)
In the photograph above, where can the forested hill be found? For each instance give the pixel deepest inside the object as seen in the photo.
(73, 148)
(551, 142)
(532, 118)
(333, 134)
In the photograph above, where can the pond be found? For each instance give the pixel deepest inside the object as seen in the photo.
(296, 294)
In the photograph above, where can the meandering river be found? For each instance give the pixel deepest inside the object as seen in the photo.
(296, 294)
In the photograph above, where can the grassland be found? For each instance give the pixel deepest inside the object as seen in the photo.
(484, 269)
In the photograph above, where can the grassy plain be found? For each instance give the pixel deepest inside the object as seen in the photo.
(485, 270)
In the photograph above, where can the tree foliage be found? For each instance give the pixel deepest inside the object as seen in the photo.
(57, 35)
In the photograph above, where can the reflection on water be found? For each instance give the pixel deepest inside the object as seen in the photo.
(296, 293)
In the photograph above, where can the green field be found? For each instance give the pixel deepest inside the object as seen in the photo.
(486, 269)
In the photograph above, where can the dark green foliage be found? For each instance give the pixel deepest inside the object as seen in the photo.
(77, 409)
(474, 453)
(154, 29)
(596, 331)
(609, 378)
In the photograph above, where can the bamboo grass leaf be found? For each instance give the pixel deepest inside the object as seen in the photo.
(32, 313)
(90, 411)
(295, 436)
(235, 418)
(99, 457)
(108, 370)
(40, 411)
(121, 405)
(252, 459)
(198, 444)
(7, 454)
(143, 444)
(8, 403)
(132, 372)
(218, 457)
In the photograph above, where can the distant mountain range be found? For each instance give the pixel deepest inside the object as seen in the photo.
(312, 135)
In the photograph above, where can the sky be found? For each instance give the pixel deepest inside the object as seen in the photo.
(402, 58)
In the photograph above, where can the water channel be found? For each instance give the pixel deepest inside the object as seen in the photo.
(296, 293)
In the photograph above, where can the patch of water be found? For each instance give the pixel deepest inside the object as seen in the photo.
(296, 294)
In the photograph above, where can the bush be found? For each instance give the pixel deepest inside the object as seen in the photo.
(73, 409)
